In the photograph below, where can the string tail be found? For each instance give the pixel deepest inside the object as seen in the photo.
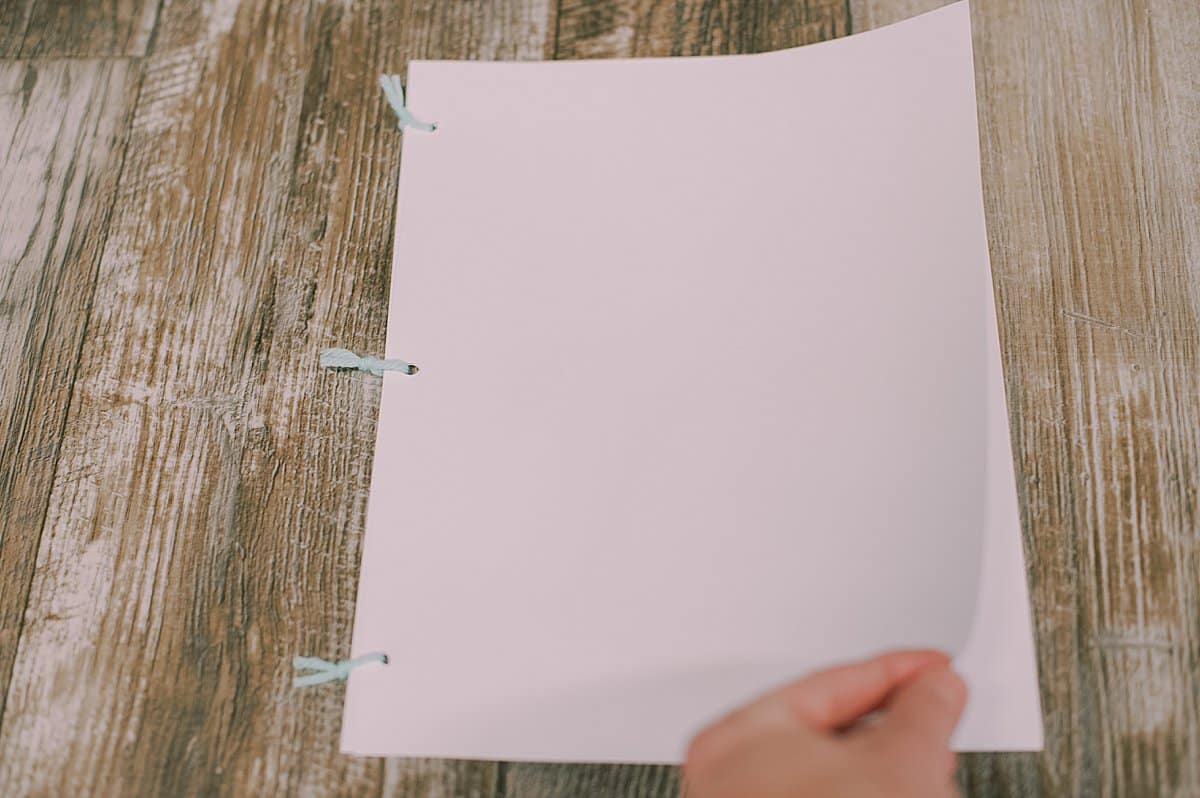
(325, 671)
(394, 91)
(345, 359)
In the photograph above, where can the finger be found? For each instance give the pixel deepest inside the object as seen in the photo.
(836, 697)
(924, 711)
(825, 700)
(738, 731)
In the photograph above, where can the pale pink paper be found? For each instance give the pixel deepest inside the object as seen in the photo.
(709, 396)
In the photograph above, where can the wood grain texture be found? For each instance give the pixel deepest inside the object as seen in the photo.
(1090, 119)
(208, 502)
(182, 492)
(643, 28)
(62, 129)
(40, 28)
(870, 14)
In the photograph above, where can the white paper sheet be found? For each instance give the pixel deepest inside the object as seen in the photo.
(710, 395)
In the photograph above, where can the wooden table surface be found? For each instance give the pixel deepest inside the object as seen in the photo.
(198, 195)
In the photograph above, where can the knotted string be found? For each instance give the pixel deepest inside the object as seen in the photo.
(395, 96)
(326, 671)
(345, 359)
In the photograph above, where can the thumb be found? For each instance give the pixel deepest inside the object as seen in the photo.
(923, 712)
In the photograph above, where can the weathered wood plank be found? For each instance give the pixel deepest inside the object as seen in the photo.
(208, 497)
(208, 503)
(62, 130)
(870, 14)
(40, 28)
(624, 28)
(13, 17)
(594, 781)
(1089, 122)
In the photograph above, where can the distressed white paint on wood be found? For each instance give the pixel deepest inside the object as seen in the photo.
(642, 28)
(203, 521)
(62, 131)
(58, 28)
(207, 507)
(870, 14)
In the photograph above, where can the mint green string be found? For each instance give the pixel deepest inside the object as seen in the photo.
(326, 671)
(345, 359)
(394, 92)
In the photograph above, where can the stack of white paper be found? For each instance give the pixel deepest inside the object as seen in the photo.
(710, 395)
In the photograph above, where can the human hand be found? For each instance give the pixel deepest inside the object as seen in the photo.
(810, 740)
